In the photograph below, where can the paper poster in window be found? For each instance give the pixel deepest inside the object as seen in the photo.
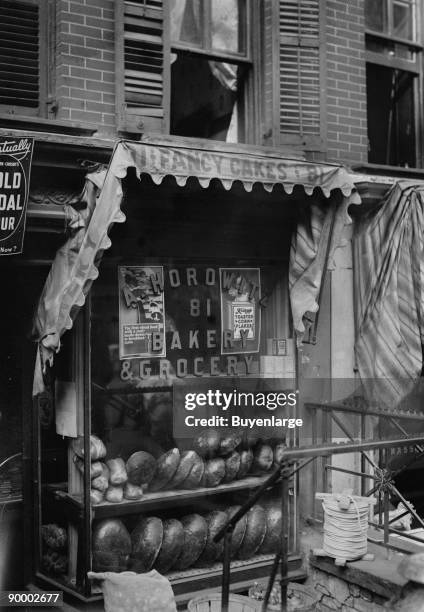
(141, 312)
(240, 312)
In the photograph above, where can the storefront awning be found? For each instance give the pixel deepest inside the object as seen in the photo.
(268, 170)
(75, 266)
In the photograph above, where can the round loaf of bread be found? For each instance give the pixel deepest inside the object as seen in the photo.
(246, 460)
(272, 540)
(141, 468)
(213, 550)
(166, 467)
(195, 477)
(195, 536)
(172, 545)
(111, 546)
(146, 539)
(232, 466)
(214, 472)
(239, 530)
(206, 444)
(254, 534)
(263, 457)
(229, 443)
(187, 461)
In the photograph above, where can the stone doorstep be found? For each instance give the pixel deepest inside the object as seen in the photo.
(379, 576)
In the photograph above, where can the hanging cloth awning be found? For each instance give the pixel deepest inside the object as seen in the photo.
(269, 170)
(388, 264)
(75, 266)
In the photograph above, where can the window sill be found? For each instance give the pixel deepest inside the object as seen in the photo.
(397, 172)
(23, 122)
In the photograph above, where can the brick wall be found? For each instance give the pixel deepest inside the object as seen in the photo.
(346, 83)
(85, 69)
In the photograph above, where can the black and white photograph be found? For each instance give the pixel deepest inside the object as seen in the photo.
(212, 305)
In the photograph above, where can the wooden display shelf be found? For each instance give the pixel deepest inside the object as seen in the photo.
(164, 499)
(194, 581)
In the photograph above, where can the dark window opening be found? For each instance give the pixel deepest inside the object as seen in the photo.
(206, 98)
(391, 123)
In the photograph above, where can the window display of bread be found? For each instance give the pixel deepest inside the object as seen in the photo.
(146, 539)
(166, 468)
(238, 531)
(141, 468)
(212, 551)
(111, 546)
(172, 545)
(218, 460)
(254, 534)
(272, 539)
(187, 461)
(195, 536)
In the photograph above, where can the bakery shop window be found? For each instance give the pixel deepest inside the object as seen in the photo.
(191, 298)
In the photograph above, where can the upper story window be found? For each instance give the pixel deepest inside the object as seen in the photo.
(394, 75)
(188, 67)
(24, 56)
(210, 64)
(233, 70)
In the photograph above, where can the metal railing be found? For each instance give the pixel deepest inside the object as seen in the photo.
(291, 464)
(376, 470)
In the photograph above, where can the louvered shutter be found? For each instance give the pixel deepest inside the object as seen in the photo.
(142, 65)
(19, 55)
(300, 103)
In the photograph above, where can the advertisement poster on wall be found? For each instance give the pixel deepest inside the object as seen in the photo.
(240, 290)
(15, 170)
(141, 312)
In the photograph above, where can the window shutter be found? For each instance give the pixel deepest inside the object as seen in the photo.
(300, 73)
(19, 54)
(142, 65)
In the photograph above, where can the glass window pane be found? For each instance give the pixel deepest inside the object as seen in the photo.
(226, 25)
(186, 21)
(376, 15)
(402, 21)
